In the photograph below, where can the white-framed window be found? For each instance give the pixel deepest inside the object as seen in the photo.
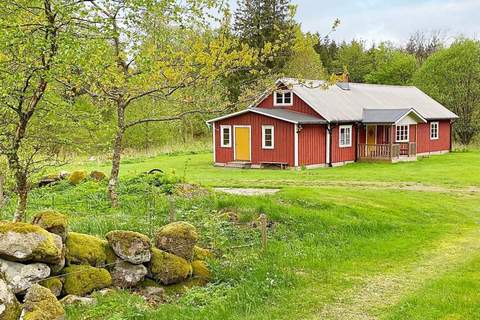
(434, 133)
(345, 136)
(225, 136)
(402, 134)
(268, 137)
(283, 98)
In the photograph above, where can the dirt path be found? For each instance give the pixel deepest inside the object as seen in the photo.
(377, 293)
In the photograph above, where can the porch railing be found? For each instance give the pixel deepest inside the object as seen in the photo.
(386, 151)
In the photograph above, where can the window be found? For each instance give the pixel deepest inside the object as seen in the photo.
(402, 133)
(283, 98)
(433, 130)
(225, 136)
(345, 136)
(268, 137)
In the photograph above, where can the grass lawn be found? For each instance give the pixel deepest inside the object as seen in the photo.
(339, 248)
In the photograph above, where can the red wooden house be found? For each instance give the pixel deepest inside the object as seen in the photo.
(309, 124)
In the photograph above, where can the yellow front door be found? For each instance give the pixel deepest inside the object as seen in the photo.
(371, 134)
(242, 144)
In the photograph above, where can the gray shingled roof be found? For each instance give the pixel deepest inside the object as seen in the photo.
(291, 116)
(336, 104)
(386, 115)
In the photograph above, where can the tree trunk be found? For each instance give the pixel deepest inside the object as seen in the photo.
(22, 193)
(2, 195)
(117, 154)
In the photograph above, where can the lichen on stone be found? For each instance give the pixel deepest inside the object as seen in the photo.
(168, 268)
(86, 249)
(52, 221)
(178, 238)
(131, 246)
(55, 285)
(41, 304)
(77, 176)
(83, 279)
(9, 305)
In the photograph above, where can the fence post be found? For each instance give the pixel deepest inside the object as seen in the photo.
(263, 230)
(171, 209)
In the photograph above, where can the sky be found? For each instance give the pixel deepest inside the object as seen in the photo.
(390, 20)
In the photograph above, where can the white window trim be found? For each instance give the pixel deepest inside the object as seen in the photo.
(340, 136)
(276, 104)
(222, 142)
(438, 130)
(407, 139)
(263, 137)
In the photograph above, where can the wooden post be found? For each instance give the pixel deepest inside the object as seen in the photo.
(171, 209)
(263, 229)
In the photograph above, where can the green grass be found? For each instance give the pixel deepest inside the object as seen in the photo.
(328, 240)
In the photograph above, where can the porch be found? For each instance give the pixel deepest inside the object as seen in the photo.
(393, 152)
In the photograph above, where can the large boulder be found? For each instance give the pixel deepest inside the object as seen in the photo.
(127, 275)
(168, 268)
(83, 279)
(9, 305)
(178, 238)
(53, 222)
(86, 249)
(41, 304)
(20, 277)
(25, 242)
(55, 285)
(131, 246)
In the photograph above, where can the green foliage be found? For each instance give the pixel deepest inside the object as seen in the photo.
(355, 59)
(452, 77)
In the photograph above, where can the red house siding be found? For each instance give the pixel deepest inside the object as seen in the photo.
(283, 141)
(425, 144)
(343, 154)
(298, 105)
(311, 145)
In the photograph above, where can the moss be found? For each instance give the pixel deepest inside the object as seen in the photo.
(41, 304)
(110, 256)
(97, 175)
(82, 279)
(201, 253)
(179, 229)
(86, 249)
(55, 285)
(52, 221)
(200, 269)
(76, 177)
(44, 246)
(11, 310)
(168, 268)
(131, 246)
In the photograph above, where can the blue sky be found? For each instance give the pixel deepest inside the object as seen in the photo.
(394, 20)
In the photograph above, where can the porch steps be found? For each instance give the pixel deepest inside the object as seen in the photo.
(239, 164)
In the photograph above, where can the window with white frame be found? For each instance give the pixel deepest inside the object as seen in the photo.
(268, 137)
(283, 98)
(345, 136)
(402, 133)
(225, 136)
(434, 130)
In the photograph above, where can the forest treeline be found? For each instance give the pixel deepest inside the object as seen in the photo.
(86, 77)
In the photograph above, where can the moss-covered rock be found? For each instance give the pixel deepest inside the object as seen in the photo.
(82, 279)
(178, 238)
(86, 249)
(201, 253)
(53, 222)
(25, 242)
(200, 270)
(20, 276)
(77, 176)
(131, 246)
(168, 268)
(9, 305)
(97, 175)
(55, 285)
(127, 275)
(41, 304)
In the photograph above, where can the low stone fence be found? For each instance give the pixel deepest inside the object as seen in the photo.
(41, 262)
